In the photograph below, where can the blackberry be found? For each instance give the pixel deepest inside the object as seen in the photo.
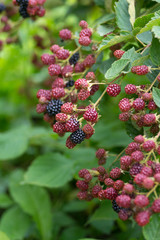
(115, 206)
(2, 7)
(70, 83)
(23, 8)
(54, 107)
(78, 136)
(74, 59)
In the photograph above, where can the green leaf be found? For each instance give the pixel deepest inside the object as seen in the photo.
(34, 201)
(145, 37)
(131, 10)
(102, 29)
(142, 21)
(131, 55)
(5, 201)
(105, 65)
(50, 170)
(99, 3)
(3, 236)
(156, 1)
(13, 143)
(15, 223)
(122, 15)
(140, 60)
(116, 68)
(156, 31)
(155, 51)
(156, 96)
(131, 130)
(112, 40)
(105, 18)
(150, 24)
(152, 230)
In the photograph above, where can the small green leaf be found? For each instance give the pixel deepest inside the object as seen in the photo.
(15, 223)
(116, 68)
(140, 61)
(102, 30)
(152, 230)
(122, 15)
(150, 24)
(156, 31)
(156, 96)
(142, 21)
(105, 18)
(155, 51)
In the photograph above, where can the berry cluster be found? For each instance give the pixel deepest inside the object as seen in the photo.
(137, 196)
(30, 8)
(59, 104)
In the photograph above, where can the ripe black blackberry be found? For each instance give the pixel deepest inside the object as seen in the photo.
(23, 8)
(54, 107)
(74, 59)
(2, 7)
(77, 137)
(115, 206)
(70, 83)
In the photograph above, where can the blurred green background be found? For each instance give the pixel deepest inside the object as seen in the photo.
(29, 149)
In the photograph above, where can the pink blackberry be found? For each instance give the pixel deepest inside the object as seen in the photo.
(85, 32)
(142, 70)
(158, 78)
(95, 190)
(115, 173)
(67, 71)
(82, 185)
(72, 125)
(148, 145)
(90, 115)
(139, 178)
(61, 117)
(124, 105)
(142, 218)
(44, 94)
(133, 69)
(149, 119)
(147, 96)
(125, 162)
(83, 24)
(156, 206)
(59, 127)
(67, 108)
(123, 215)
(141, 201)
(88, 129)
(58, 93)
(118, 53)
(138, 104)
(132, 147)
(58, 82)
(128, 188)
(94, 88)
(54, 48)
(100, 153)
(157, 177)
(110, 193)
(83, 172)
(125, 116)
(41, 108)
(48, 59)
(81, 83)
(89, 61)
(84, 41)
(87, 177)
(62, 54)
(113, 90)
(157, 168)
(69, 143)
(109, 182)
(139, 139)
(147, 171)
(123, 201)
(148, 183)
(79, 67)
(118, 185)
(137, 156)
(90, 76)
(54, 70)
(130, 89)
(65, 34)
(83, 94)
(152, 105)
(135, 169)
(82, 195)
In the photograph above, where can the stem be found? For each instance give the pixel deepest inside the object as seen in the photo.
(119, 155)
(152, 190)
(146, 48)
(152, 84)
(99, 99)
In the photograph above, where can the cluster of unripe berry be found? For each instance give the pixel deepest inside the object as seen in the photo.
(30, 8)
(59, 104)
(138, 195)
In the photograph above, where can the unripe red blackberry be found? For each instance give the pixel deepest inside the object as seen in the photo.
(88, 129)
(109, 182)
(149, 119)
(139, 178)
(152, 105)
(147, 96)
(69, 143)
(123, 201)
(158, 78)
(101, 195)
(54, 48)
(156, 206)
(82, 185)
(123, 214)
(90, 76)
(65, 34)
(83, 94)
(137, 156)
(47, 118)
(113, 90)
(94, 88)
(83, 172)
(142, 70)
(141, 201)
(59, 127)
(58, 93)
(132, 147)
(142, 218)
(110, 193)
(133, 69)
(148, 183)
(79, 67)
(154, 129)
(81, 83)
(82, 195)
(102, 161)
(90, 115)
(83, 24)
(148, 145)
(157, 168)
(125, 162)
(44, 93)
(85, 32)
(84, 41)
(135, 169)
(100, 153)
(115, 173)
(139, 139)
(61, 117)
(147, 171)
(72, 125)
(67, 108)
(130, 89)
(125, 116)
(89, 61)
(128, 188)
(41, 108)
(87, 177)
(58, 82)
(138, 104)
(118, 53)
(67, 71)
(48, 59)
(124, 105)
(157, 177)
(62, 54)
(158, 150)
(54, 70)
(95, 190)
(118, 185)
